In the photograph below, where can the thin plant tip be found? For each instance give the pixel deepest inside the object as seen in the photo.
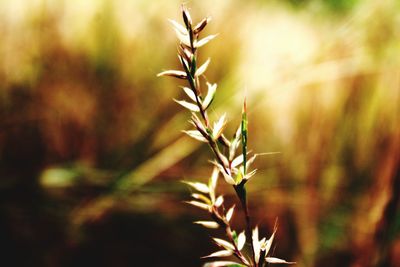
(186, 17)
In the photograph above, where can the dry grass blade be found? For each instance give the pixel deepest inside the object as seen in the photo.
(189, 106)
(173, 73)
(205, 40)
(202, 68)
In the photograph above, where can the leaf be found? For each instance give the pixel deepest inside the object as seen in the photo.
(219, 127)
(196, 135)
(183, 38)
(221, 253)
(219, 201)
(203, 188)
(212, 88)
(251, 160)
(237, 161)
(229, 213)
(268, 244)
(185, 52)
(222, 264)
(186, 17)
(256, 244)
(201, 25)
(174, 73)
(223, 159)
(224, 244)
(189, 92)
(198, 124)
(208, 224)
(250, 174)
(202, 198)
(198, 204)
(178, 26)
(241, 240)
(205, 40)
(202, 68)
(212, 183)
(276, 260)
(184, 62)
(190, 106)
(228, 178)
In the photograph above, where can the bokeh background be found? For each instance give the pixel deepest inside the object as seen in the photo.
(91, 149)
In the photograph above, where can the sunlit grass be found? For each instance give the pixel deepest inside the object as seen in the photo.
(78, 88)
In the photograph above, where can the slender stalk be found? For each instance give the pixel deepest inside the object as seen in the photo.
(194, 85)
(241, 193)
(233, 167)
(222, 221)
(248, 230)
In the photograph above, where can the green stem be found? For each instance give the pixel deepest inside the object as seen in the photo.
(242, 195)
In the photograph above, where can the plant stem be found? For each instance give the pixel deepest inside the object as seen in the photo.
(248, 228)
(240, 189)
(225, 224)
(242, 195)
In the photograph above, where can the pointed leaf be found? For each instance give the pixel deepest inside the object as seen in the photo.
(178, 26)
(205, 40)
(229, 213)
(241, 240)
(276, 260)
(201, 25)
(196, 135)
(198, 124)
(219, 126)
(184, 62)
(189, 92)
(251, 160)
(203, 188)
(250, 174)
(208, 224)
(268, 243)
(202, 68)
(222, 264)
(183, 38)
(237, 161)
(224, 244)
(256, 245)
(190, 106)
(212, 183)
(219, 201)
(184, 52)
(202, 198)
(186, 17)
(173, 73)
(212, 88)
(221, 253)
(199, 205)
(228, 178)
(224, 160)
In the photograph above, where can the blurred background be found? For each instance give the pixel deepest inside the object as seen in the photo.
(91, 149)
